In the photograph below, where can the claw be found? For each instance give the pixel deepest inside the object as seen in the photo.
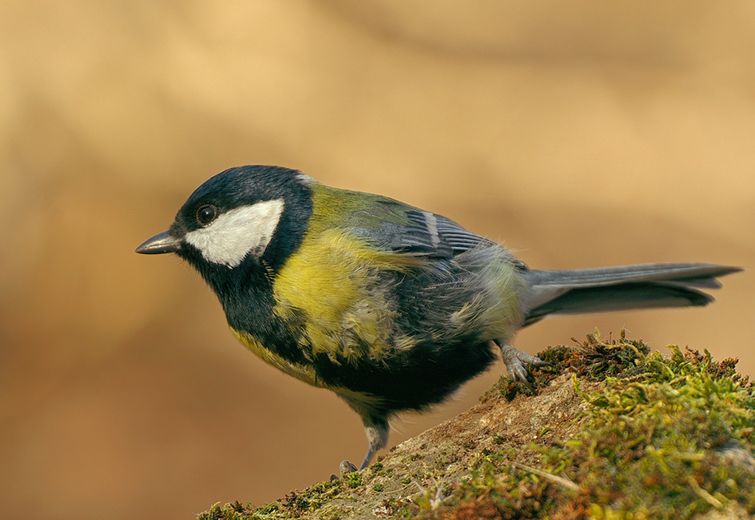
(515, 361)
(346, 467)
(532, 360)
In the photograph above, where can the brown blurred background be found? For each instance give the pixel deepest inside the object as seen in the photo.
(580, 133)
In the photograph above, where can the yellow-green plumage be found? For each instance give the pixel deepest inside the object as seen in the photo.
(334, 279)
(341, 289)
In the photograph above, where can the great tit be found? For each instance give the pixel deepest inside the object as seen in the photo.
(390, 306)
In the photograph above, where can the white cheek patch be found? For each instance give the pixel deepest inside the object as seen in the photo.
(237, 233)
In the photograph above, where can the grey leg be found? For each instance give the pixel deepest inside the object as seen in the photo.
(515, 361)
(377, 438)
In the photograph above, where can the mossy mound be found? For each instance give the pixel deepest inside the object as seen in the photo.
(607, 430)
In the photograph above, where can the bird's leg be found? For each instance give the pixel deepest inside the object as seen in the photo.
(377, 438)
(515, 361)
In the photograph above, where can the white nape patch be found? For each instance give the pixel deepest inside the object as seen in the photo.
(237, 233)
(305, 179)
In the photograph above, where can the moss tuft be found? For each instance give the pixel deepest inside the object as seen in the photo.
(230, 511)
(312, 498)
(353, 480)
(658, 437)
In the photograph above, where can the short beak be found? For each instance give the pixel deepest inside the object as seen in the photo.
(161, 243)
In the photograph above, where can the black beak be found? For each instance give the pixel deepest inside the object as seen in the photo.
(161, 243)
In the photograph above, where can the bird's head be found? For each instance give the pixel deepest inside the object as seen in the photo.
(240, 219)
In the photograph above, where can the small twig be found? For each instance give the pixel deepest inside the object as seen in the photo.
(439, 497)
(401, 489)
(561, 481)
(704, 494)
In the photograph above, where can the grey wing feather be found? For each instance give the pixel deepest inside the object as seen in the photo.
(435, 235)
(456, 236)
(410, 230)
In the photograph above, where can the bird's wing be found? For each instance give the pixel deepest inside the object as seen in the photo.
(392, 226)
(400, 228)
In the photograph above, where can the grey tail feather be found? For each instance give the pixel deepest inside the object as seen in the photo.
(619, 288)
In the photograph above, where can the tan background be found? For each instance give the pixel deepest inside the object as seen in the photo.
(581, 133)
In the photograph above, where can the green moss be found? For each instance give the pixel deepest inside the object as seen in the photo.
(238, 511)
(231, 511)
(292, 505)
(658, 440)
(353, 480)
(654, 437)
(663, 432)
(312, 498)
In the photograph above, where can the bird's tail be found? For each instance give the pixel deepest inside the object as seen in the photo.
(619, 288)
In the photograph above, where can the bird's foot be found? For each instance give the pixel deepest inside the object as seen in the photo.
(376, 429)
(346, 467)
(516, 361)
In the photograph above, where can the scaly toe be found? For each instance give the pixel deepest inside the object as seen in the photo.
(532, 360)
(521, 373)
(516, 369)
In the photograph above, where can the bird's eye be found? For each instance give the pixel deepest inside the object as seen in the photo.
(206, 214)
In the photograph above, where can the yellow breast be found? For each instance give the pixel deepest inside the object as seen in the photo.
(359, 401)
(304, 373)
(334, 279)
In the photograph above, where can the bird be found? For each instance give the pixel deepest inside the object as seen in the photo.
(390, 306)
